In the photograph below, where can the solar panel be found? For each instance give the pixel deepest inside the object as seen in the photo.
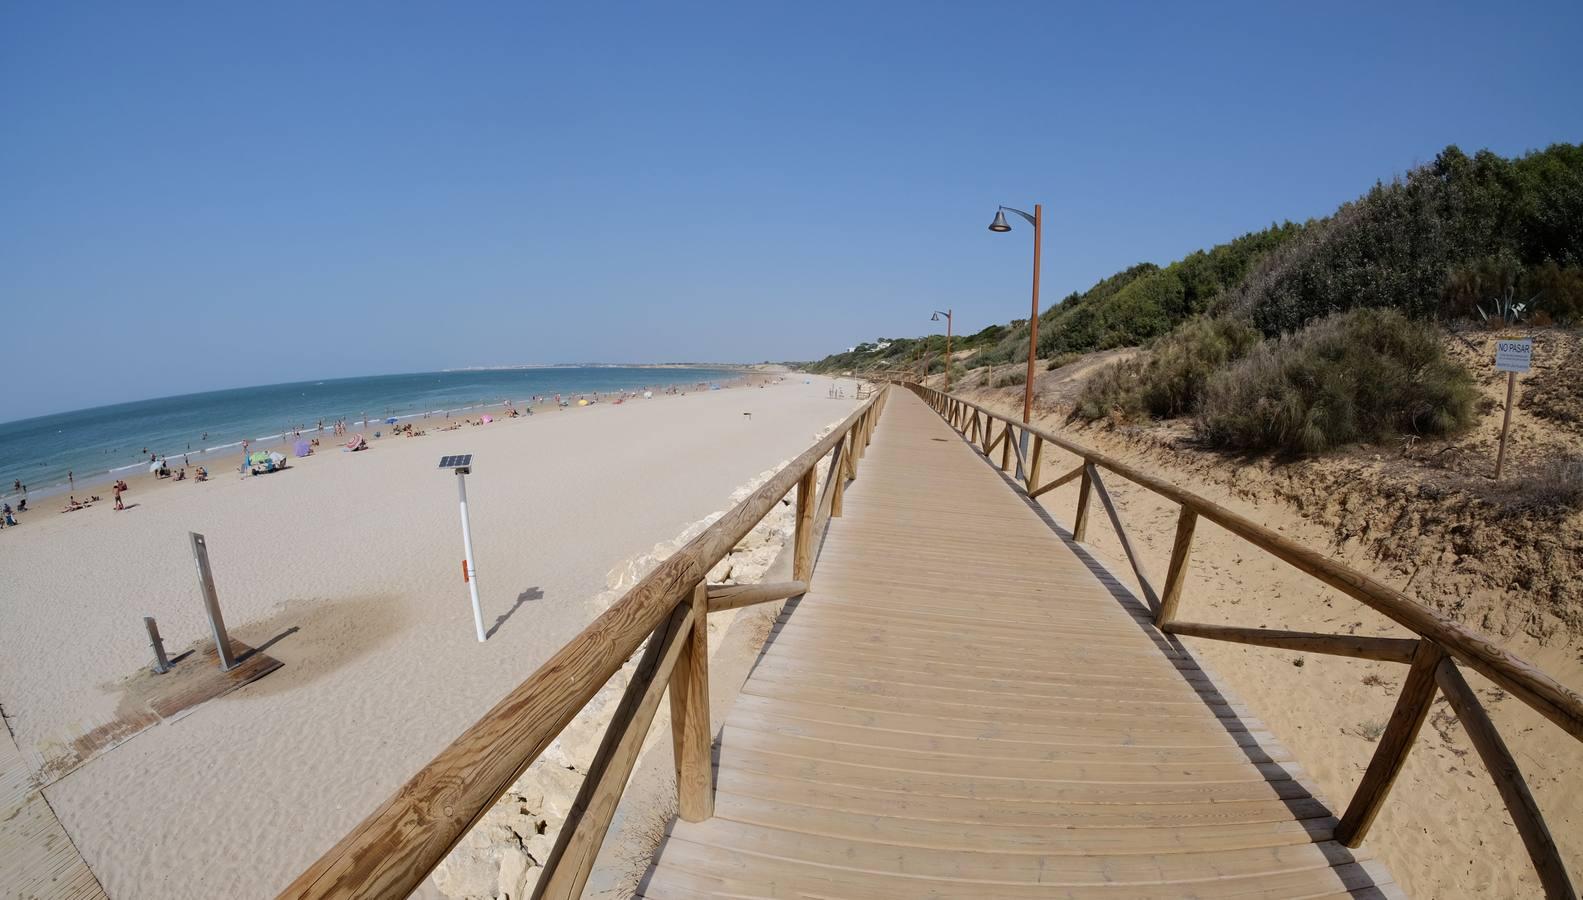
(459, 461)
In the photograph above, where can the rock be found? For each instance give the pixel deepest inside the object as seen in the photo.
(514, 866)
(539, 846)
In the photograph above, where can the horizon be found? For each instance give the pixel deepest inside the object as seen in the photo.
(212, 198)
(132, 401)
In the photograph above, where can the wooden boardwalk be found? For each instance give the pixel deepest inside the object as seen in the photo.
(37, 860)
(965, 704)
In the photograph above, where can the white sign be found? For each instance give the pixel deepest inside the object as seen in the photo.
(1513, 356)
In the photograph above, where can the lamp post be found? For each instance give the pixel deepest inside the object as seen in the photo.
(1000, 225)
(936, 318)
(1037, 221)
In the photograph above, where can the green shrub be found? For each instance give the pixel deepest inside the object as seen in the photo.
(1012, 377)
(1167, 380)
(1430, 244)
(1362, 375)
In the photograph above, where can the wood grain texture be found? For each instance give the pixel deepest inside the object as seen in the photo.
(1503, 769)
(735, 596)
(577, 845)
(1131, 552)
(1023, 733)
(1527, 682)
(1064, 479)
(692, 737)
(1412, 707)
(1397, 650)
(1176, 572)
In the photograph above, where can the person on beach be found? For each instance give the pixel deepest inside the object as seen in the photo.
(71, 479)
(16, 486)
(117, 489)
(72, 505)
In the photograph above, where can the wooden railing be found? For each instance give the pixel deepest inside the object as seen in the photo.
(394, 848)
(1432, 656)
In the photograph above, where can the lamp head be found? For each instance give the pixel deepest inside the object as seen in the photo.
(935, 317)
(1000, 224)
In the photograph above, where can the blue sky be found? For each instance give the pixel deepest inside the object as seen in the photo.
(200, 196)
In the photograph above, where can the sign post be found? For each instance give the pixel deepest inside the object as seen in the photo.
(1511, 357)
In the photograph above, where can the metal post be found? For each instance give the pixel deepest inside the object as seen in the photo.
(211, 602)
(161, 662)
(469, 572)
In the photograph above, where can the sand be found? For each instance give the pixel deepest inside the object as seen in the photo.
(360, 554)
(1443, 831)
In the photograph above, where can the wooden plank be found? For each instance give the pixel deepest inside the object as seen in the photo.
(1397, 650)
(692, 736)
(1033, 467)
(1080, 522)
(1046, 488)
(1149, 593)
(802, 538)
(1412, 707)
(577, 845)
(1176, 572)
(1508, 778)
(735, 596)
(960, 707)
(37, 857)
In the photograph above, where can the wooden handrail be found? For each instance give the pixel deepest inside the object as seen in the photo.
(1525, 681)
(391, 851)
(1440, 641)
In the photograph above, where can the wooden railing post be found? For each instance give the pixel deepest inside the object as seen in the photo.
(1508, 780)
(839, 464)
(989, 429)
(1005, 447)
(1033, 464)
(1181, 549)
(802, 540)
(571, 858)
(1080, 524)
(691, 734)
(1412, 707)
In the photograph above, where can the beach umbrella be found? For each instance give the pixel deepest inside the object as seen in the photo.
(276, 457)
(153, 467)
(391, 420)
(302, 449)
(488, 419)
(258, 458)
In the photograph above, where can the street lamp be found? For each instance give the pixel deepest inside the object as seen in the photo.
(1037, 221)
(936, 318)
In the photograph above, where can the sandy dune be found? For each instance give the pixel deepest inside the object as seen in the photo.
(360, 554)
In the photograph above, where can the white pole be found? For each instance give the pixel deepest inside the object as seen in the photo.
(467, 550)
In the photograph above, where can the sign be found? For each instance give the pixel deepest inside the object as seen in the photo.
(1513, 356)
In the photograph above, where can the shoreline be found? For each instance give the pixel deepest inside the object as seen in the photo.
(348, 573)
(138, 474)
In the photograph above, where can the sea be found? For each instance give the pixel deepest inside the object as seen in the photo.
(96, 446)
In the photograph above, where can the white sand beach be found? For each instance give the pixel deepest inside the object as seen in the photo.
(353, 562)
